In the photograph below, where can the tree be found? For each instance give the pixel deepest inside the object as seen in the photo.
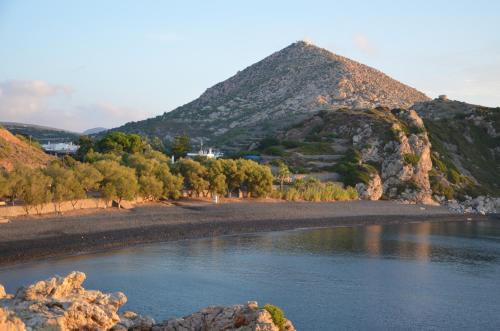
(14, 183)
(119, 142)
(283, 173)
(64, 185)
(88, 176)
(151, 188)
(118, 182)
(35, 189)
(172, 184)
(259, 179)
(231, 172)
(216, 178)
(85, 145)
(181, 146)
(194, 175)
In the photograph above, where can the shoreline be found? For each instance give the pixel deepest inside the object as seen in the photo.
(31, 239)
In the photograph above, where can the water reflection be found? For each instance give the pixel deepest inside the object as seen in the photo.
(408, 276)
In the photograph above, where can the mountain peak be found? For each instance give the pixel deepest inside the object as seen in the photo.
(283, 88)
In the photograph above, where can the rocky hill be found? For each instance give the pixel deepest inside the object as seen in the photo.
(280, 90)
(383, 153)
(437, 150)
(15, 150)
(465, 146)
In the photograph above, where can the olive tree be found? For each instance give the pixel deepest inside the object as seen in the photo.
(194, 174)
(172, 184)
(88, 176)
(215, 176)
(63, 185)
(35, 189)
(118, 183)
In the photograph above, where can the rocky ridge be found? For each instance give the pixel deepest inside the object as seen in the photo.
(61, 303)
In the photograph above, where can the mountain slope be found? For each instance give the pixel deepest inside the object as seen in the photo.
(16, 151)
(280, 90)
(466, 145)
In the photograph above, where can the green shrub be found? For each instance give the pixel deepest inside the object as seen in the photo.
(268, 142)
(352, 170)
(277, 315)
(411, 158)
(274, 151)
(290, 143)
(454, 176)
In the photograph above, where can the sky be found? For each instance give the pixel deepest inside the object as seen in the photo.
(82, 64)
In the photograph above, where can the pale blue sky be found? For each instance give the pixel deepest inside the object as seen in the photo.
(81, 64)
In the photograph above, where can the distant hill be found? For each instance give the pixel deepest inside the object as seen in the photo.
(42, 134)
(14, 150)
(282, 89)
(94, 131)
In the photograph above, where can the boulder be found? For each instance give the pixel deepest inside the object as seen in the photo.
(371, 191)
(247, 317)
(61, 303)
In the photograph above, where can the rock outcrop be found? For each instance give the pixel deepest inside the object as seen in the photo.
(479, 205)
(238, 317)
(62, 304)
(382, 152)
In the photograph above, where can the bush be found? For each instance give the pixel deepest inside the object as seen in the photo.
(274, 151)
(411, 158)
(310, 189)
(353, 170)
(268, 142)
(277, 315)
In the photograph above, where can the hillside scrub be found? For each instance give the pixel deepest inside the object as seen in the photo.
(311, 189)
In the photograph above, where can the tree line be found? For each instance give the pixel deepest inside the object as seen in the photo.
(124, 166)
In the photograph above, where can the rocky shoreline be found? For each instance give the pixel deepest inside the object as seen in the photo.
(62, 304)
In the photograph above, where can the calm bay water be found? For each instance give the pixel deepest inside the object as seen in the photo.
(412, 276)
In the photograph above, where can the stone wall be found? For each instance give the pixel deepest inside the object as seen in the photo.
(48, 208)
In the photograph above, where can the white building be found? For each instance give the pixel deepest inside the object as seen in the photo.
(209, 154)
(64, 148)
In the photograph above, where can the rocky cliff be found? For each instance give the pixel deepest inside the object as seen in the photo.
(276, 92)
(383, 153)
(61, 303)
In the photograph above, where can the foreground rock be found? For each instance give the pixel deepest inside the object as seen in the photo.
(62, 304)
(238, 317)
